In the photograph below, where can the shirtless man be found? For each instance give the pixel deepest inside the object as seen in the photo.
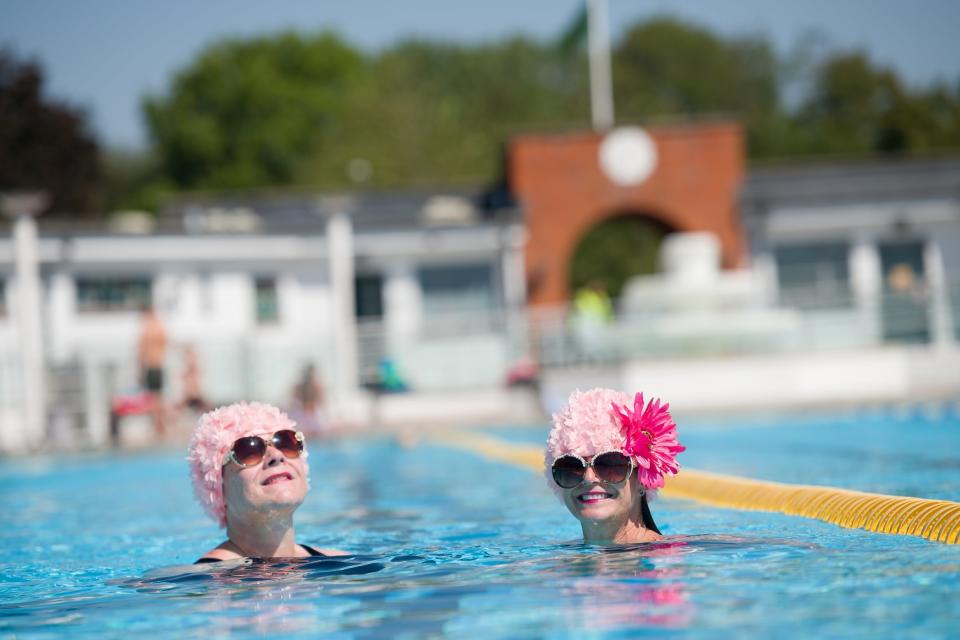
(151, 352)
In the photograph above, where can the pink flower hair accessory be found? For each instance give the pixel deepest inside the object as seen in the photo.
(601, 420)
(650, 437)
(215, 433)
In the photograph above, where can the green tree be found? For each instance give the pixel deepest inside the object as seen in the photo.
(310, 110)
(306, 110)
(856, 107)
(439, 113)
(247, 113)
(45, 144)
(666, 68)
(133, 180)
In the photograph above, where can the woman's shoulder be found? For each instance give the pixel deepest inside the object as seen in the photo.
(218, 554)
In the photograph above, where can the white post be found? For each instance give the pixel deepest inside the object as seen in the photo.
(345, 376)
(402, 304)
(941, 316)
(513, 241)
(601, 85)
(866, 284)
(96, 401)
(23, 207)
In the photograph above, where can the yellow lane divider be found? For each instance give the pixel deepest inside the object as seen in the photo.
(937, 520)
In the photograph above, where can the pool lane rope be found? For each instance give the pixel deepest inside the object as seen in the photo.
(937, 520)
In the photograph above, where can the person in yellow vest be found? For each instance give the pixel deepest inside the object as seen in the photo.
(592, 317)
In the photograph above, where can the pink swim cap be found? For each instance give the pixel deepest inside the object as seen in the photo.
(602, 420)
(216, 432)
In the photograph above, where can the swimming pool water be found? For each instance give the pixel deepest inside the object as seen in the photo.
(449, 544)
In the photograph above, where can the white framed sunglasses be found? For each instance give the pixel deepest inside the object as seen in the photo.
(612, 467)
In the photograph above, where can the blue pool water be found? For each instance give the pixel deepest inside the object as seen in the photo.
(449, 544)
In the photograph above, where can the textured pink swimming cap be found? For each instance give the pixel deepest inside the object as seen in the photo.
(606, 420)
(216, 432)
(587, 425)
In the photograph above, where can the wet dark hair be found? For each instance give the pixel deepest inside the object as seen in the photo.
(646, 516)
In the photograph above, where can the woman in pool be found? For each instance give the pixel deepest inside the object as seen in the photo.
(605, 456)
(249, 470)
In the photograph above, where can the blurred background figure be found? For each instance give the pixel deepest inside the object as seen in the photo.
(391, 380)
(523, 372)
(151, 354)
(191, 383)
(592, 317)
(308, 399)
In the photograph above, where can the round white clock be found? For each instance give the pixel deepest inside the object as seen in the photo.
(628, 156)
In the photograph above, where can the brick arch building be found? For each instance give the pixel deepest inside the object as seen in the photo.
(564, 192)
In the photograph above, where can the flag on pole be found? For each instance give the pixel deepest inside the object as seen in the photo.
(574, 36)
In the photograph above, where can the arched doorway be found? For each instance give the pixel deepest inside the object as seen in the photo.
(616, 249)
(563, 191)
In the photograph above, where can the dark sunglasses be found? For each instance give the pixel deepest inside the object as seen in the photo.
(249, 450)
(610, 466)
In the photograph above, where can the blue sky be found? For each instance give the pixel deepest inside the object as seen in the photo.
(104, 55)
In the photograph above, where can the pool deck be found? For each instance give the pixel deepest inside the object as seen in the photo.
(892, 375)
(903, 378)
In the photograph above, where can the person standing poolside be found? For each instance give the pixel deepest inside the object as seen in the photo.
(151, 353)
(190, 383)
(249, 469)
(308, 401)
(605, 455)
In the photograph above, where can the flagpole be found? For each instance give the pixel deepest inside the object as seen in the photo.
(601, 86)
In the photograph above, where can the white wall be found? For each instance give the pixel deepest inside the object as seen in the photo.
(771, 381)
(774, 381)
(402, 302)
(204, 291)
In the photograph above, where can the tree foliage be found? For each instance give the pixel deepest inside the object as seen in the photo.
(666, 68)
(445, 111)
(248, 112)
(301, 109)
(44, 145)
(858, 108)
(133, 180)
(312, 110)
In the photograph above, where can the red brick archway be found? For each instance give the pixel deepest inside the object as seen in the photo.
(638, 233)
(564, 193)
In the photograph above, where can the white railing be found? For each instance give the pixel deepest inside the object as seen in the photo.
(561, 337)
(468, 350)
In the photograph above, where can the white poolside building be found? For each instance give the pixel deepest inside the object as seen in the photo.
(263, 286)
(852, 285)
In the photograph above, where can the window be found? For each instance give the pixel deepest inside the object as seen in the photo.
(905, 301)
(98, 295)
(457, 288)
(368, 293)
(814, 276)
(268, 308)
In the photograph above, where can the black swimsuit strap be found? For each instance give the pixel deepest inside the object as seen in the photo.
(310, 550)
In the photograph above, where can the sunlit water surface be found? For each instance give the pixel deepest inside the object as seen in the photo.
(448, 544)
